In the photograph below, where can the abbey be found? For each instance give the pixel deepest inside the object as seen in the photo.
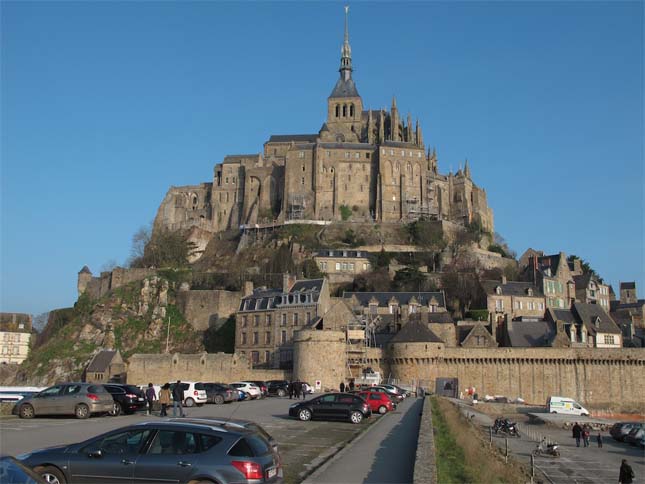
(362, 165)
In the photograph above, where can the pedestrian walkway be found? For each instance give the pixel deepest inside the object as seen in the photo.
(383, 454)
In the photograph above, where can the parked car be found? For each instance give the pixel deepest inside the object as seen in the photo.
(278, 387)
(79, 399)
(641, 442)
(395, 396)
(307, 388)
(127, 398)
(194, 393)
(251, 388)
(262, 385)
(219, 393)
(235, 423)
(378, 401)
(619, 430)
(396, 389)
(13, 472)
(332, 406)
(634, 435)
(162, 451)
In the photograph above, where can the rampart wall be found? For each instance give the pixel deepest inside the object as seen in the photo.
(98, 287)
(206, 367)
(598, 377)
(206, 308)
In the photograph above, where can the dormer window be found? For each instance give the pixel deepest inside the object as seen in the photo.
(529, 291)
(498, 290)
(597, 322)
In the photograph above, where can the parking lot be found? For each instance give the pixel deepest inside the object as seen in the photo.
(302, 444)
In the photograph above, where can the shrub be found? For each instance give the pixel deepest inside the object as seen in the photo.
(345, 212)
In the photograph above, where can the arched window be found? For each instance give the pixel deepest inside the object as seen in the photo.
(337, 110)
(351, 110)
(344, 110)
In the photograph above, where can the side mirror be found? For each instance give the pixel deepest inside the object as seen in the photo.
(95, 454)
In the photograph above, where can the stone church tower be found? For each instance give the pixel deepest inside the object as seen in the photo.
(363, 164)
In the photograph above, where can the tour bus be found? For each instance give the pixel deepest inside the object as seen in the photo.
(565, 405)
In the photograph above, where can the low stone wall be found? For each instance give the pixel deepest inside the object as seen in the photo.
(206, 367)
(425, 466)
(204, 309)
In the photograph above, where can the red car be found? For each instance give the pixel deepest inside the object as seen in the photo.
(378, 401)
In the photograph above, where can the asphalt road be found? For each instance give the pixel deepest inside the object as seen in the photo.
(303, 445)
(385, 453)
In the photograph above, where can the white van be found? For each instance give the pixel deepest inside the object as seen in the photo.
(565, 405)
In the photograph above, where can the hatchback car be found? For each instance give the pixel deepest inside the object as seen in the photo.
(635, 434)
(394, 396)
(127, 398)
(378, 401)
(79, 399)
(161, 451)
(342, 406)
(396, 389)
(251, 389)
(194, 393)
(262, 385)
(619, 430)
(219, 393)
(278, 387)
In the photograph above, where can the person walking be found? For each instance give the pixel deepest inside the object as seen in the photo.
(177, 399)
(290, 390)
(351, 385)
(164, 399)
(342, 387)
(297, 388)
(151, 396)
(585, 435)
(599, 440)
(626, 475)
(577, 433)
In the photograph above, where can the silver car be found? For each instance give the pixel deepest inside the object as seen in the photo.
(79, 399)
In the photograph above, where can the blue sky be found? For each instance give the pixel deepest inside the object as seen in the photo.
(106, 104)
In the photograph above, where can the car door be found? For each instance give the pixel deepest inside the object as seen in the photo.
(47, 402)
(69, 397)
(342, 406)
(171, 457)
(324, 406)
(110, 458)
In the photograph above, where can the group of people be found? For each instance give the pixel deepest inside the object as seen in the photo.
(166, 396)
(583, 433)
(349, 387)
(296, 389)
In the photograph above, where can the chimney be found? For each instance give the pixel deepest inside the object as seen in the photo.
(248, 288)
(503, 279)
(286, 282)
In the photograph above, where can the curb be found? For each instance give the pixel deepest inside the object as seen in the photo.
(309, 476)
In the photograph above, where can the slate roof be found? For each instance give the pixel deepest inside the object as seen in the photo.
(307, 285)
(286, 138)
(582, 281)
(383, 298)
(617, 305)
(85, 270)
(101, 361)
(415, 332)
(587, 314)
(530, 334)
(549, 262)
(443, 317)
(628, 285)
(262, 299)
(344, 88)
(562, 315)
(511, 288)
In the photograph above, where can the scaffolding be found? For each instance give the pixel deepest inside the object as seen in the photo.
(296, 208)
(361, 335)
(416, 210)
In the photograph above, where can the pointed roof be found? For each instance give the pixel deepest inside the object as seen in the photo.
(345, 86)
(415, 332)
(85, 270)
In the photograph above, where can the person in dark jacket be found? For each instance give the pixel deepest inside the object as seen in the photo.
(177, 398)
(297, 388)
(626, 473)
(577, 433)
(342, 387)
(150, 397)
(290, 390)
(599, 440)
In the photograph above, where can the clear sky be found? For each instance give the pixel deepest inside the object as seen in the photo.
(106, 104)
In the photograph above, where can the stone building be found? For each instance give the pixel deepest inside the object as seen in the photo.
(589, 289)
(363, 164)
(587, 325)
(15, 334)
(106, 366)
(509, 300)
(267, 319)
(340, 264)
(552, 274)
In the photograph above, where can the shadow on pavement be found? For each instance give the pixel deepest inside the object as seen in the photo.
(394, 461)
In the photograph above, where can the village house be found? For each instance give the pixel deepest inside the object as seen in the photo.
(551, 273)
(15, 334)
(588, 325)
(106, 366)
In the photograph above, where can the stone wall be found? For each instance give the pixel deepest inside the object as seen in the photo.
(205, 367)
(425, 466)
(597, 377)
(98, 287)
(203, 309)
(320, 355)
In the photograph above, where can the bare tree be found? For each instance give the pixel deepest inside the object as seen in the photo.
(140, 240)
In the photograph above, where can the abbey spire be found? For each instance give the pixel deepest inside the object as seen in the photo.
(345, 86)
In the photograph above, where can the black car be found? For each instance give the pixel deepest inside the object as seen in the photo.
(127, 398)
(341, 406)
(219, 393)
(278, 387)
(161, 451)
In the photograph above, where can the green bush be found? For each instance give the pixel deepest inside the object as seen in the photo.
(345, 212)
(478, 314)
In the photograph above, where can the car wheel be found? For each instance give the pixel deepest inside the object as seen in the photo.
(190, 402)
(82, 411)
(116, 410)
(26, 411)
(382, 410)
(356, 417)
(554, 412)
(51, 475)
(304, 414)
(282, 393)
(219, 399)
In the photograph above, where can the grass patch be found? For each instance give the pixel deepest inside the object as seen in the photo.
(463, 455)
